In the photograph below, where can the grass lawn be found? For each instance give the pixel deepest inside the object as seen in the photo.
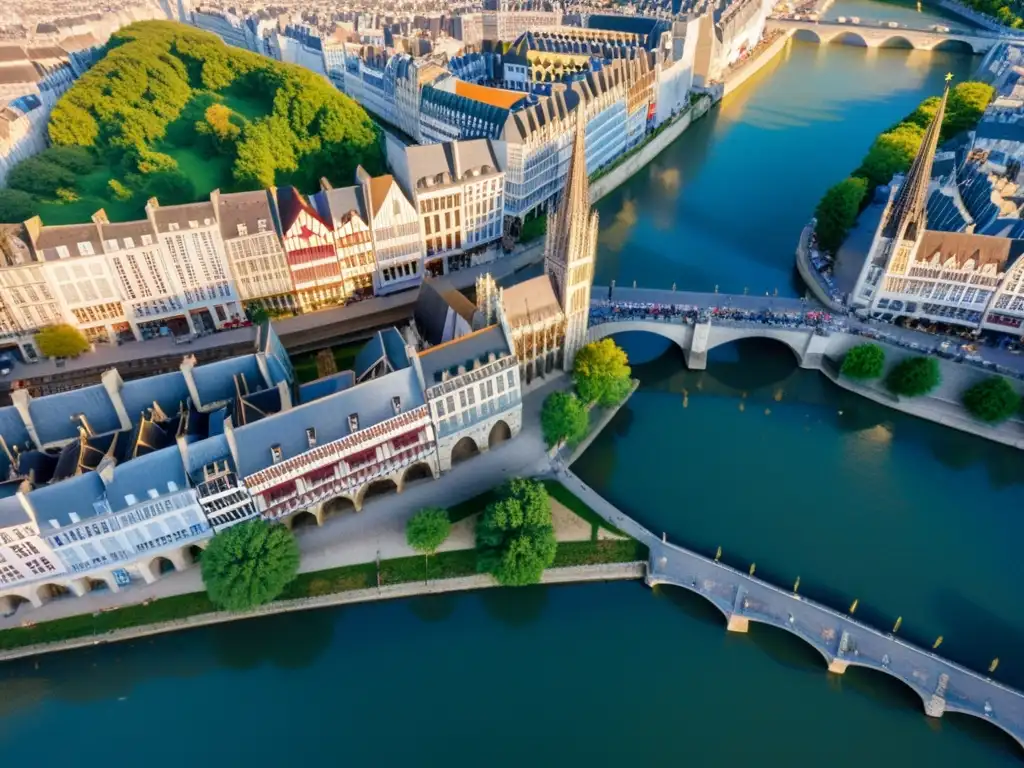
(567, 499)
(344, 357)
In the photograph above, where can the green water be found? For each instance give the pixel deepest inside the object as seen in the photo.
(911, 519)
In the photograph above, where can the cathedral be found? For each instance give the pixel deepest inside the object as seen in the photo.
(957, 278)
(546, 317)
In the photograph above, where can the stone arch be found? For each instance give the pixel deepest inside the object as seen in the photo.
(379, 487)
(499, 433)
(953, 710)
(790, 629)
(338, 505)
(874, 667)
(807, 36)
(11, 602)
(195, 552)
(303, 519)
(49, 591)
(849, 38)
(421, 470)
(466, 448)
(160, 566)
(781, 337)
(695, 589)
(101, 584)
(677, 333)
(897, 41)
(955, 45)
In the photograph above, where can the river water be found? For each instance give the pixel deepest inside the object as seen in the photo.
(769, 462)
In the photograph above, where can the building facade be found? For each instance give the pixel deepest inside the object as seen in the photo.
(310, 252)
(395, 229)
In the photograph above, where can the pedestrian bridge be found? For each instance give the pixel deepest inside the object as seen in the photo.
(877, 36)
(841, 640)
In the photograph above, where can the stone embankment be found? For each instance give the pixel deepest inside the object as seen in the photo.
(598, 427)
(575, 574)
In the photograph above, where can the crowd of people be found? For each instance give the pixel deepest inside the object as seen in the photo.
(613, 311)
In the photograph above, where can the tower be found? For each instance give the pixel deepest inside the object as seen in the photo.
(571, 246)
(905, 216)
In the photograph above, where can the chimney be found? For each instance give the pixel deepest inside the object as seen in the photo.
(353, 422)
(275, 453)
(112, 383)
(462, 370)
(491, 357)
(396, 404)
(187, 364)
(21, 399)
(311, 437)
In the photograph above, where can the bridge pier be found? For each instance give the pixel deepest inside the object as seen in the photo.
(837, 666)
(697, 356)
(738, 623)
(814, 351)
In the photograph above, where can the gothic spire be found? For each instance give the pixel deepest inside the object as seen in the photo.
(573, 212)
(907, 216)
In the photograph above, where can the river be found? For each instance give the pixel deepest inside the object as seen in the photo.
(911, 519)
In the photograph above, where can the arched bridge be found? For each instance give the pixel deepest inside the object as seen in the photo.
(877, 36)
(841, 640)
(695, 337)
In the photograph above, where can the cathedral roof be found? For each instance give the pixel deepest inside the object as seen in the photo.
(530, 301)
(962, 246)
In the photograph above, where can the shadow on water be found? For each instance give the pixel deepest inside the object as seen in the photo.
(515, 607)
(985, 733)
(882, 689)
(279, 642)
(785, 648)
(977, 635)
(433, 608)
(692, 605)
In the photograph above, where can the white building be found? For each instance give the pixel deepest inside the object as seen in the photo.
(22, 132)
(191, 240)
(28, 299)
(345, 209)
(395, 228)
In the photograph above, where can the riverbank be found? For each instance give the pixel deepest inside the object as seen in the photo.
(737, 76)
(597, 427)
(811, 277)
(564, 575)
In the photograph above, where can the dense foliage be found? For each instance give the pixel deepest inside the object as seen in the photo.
(563, 417)
(16, 206)
(914, 377)
(61, 340)
(428, 529)
(863, 362)
(1004, 11)
(601, 373)
(992, 400)
(166, 91)
(515, 538)
(893, 152)
(837, 212)
(249, 564)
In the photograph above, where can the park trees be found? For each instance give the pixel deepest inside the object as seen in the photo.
(914, 377)
(993, 400)
(601, 373)
(249, 564)
(837, 212)
(515, 537)
(61, 340)
(863, 362)
(427, 530)
(563, 417)
(16, 206)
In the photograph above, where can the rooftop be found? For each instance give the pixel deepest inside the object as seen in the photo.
(464, 351)
(495, 97)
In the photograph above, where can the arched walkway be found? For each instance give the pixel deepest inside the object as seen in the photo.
(48, 592)
(9, 604)
(158, 566)
(97, 585)
(849, 38)
(195, 552)
(339, 505)
(500, 432)
(303, 519)
(466, 448)
(418, 471)
(378, 488)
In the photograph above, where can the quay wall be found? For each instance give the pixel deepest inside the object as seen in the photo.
(738, 77)
(575, 574)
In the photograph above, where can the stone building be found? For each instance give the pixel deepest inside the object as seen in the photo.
(310, 251)
(395, 231)
(346, 209)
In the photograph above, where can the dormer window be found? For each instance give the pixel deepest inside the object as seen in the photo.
(192, 224)
(275, 453)
(311, 436)
(130, 500)
(146, 240)
(172, 227)
(85, 249)
(396, 404)
(172, 486)
(63, 252)
(153, 494)
(353, 422)
(242, 230)
(261, 225)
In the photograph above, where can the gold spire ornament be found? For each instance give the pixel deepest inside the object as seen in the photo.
(853, 606)
(753, 567)
(994, 665)
(896, 627)
(949, 76)
(796, 586)
(937, 643)
(718, 554)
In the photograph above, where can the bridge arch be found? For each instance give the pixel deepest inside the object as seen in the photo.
(853, 661)
(677, 333)
(849, 38)
(955, 45)
(954, 710)
(791, 339)
(897, 41)
(808, 36)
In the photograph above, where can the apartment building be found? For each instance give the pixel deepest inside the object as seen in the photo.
(395, 229)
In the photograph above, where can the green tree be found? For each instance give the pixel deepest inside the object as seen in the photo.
(966, 104)
(515, 538)
(119, 190)
(249, 564)
(16, 206)
(563, 417)
(914, 377)
(427, 530)
(170, 187)
(992, 400)
(891, 153)
(601, 373)
(76, 159)
(61, 340)
(837, 212)
(863, 362)
(38, 176)
(217, 124)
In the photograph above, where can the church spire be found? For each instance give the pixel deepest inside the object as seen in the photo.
(907, 217)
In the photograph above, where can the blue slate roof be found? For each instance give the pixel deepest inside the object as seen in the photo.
(206, 452)
(52, 414)
(169, 390)
(943, 213)
(137, 477)
(13, 430)
(387, 345)
(394, 348)
(464, 351)
(328, 385)
(370, 401)
(58, 500)
(215, 381)
(369, 355)
(12, 513)
(1011, 228)
(976, 192)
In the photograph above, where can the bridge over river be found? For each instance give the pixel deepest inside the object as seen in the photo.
(841, 640)
(878, 35)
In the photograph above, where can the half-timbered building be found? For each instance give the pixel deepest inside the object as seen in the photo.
(309, 246)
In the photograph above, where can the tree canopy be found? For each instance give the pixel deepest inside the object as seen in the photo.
(563, 417)
(601, 373)
(249, 564)
(61, 340)
(428, 529)
(515, 537)
(993, 400)
(863, 362)
(914, 377)
(837, 212)
(16, 206)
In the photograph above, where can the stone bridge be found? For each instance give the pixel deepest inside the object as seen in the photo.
(874, 35)
(697, 339)
(841, 640)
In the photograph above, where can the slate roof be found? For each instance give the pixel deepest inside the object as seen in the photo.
(69, 236)
(154, 470)
(328, 385)
(12, 513)
(335, 205)
(201, 213)
(215, 381)
(52, 415)
(246, 208)
(169, 390)
(431, 313)
(386, 345)
(530, 301)
(14, 433)
(371, 401)
(465, 351)
(58, 500)
(206, 452)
